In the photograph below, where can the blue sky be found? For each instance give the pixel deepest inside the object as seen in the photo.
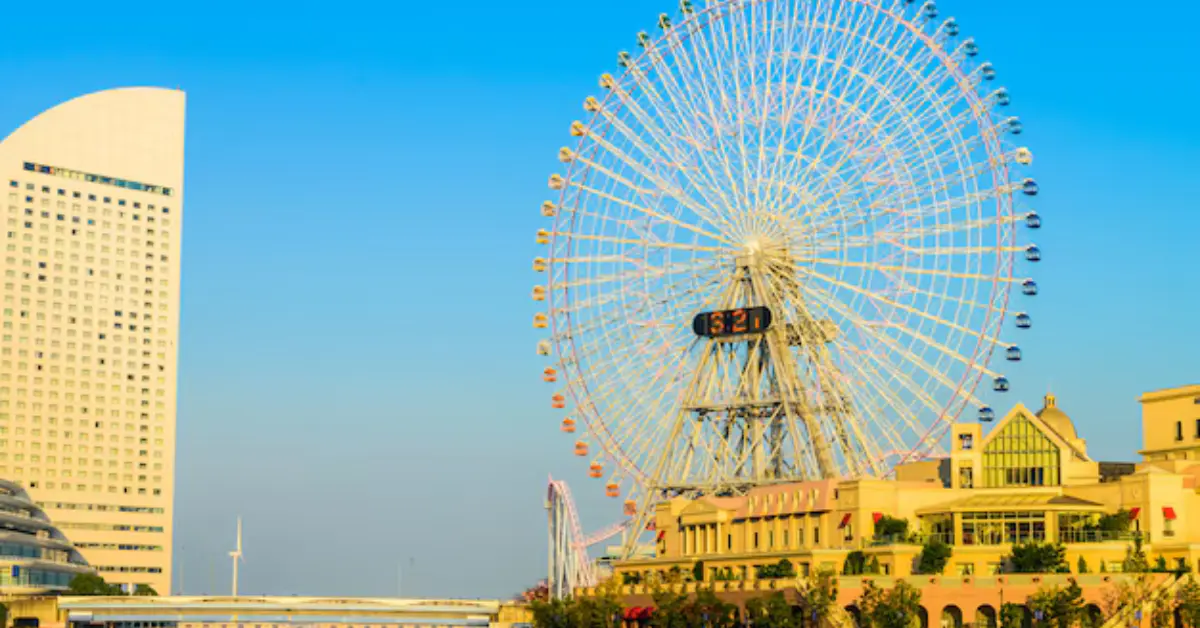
(357, 378)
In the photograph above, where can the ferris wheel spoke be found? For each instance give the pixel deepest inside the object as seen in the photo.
(883, 300)
(894, 346)
(662, 139)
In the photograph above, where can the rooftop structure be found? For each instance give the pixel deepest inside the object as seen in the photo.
(35, 557)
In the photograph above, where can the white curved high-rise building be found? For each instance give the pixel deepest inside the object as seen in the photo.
(90, 315)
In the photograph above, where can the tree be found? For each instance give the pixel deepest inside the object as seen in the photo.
(817, 594)
(602, 610)
(145, 590)
(1060, 607)
(933, 557)
(669, 608)
(698, 571)
(1081, 566)
(92, 584)
(855, 563)
(772, 611)
(1115, 522)
(1037, 557)
(541, 591)
(782, 569)
(1012, 615)
(706, 609)
(551, 613)
(897, 607)
(1188, 601)
(872, 566)
(1135, 557)
(1160, 565)
(891, 527)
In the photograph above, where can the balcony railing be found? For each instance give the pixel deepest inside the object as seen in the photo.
(910, 539)
(1099, 536)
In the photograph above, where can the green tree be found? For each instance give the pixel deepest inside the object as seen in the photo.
(1160, 565)
(772, 611)
(782, 569)
(855, 563)
(1081, 566)
(1012, 615)
(1188, 600)
(698, 571)
(1059, 607)
(669, 608)
(872, 566)
(1103, 566)
(92, 584)
(933, 557)
(1135, 557)
(1115, 522)
(891, 527)
(706, 609)
(1037, 557)
(817, 594)
(552, 613)
(897, 607)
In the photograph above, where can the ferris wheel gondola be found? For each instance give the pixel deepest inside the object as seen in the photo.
(782, 246)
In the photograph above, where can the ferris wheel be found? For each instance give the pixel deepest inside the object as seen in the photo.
(782, 248)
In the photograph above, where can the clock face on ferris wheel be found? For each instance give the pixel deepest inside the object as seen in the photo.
(782, 246)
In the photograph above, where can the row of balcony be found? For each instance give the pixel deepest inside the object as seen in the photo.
(1065, 537)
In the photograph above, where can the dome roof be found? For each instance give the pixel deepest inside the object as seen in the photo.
(1056, 419)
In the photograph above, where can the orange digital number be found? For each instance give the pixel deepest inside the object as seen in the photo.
(716, 323)
(739, 321)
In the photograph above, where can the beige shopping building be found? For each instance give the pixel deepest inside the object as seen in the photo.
(88, 349)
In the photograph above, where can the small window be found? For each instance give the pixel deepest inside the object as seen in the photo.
(1179, 430)
(1197, 428)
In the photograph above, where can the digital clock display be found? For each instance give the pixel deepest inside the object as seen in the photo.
(747, 320)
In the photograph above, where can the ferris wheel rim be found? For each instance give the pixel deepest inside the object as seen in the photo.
(561, 322)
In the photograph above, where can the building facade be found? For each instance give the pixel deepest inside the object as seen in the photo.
(35, 557)
(88, 349)
(1030, 478)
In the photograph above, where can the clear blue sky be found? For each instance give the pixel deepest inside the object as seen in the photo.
(357, 374)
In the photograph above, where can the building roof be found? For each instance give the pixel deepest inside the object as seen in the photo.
(1192, 390)
(1056, 419)
(1015, 501)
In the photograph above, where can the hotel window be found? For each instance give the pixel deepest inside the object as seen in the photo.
(1179, 430)
(1197, 428)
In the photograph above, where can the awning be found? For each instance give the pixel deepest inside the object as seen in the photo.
(1133, 513)
(1168, 513)
(633, 612)
(845, 520)
(876, 516)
